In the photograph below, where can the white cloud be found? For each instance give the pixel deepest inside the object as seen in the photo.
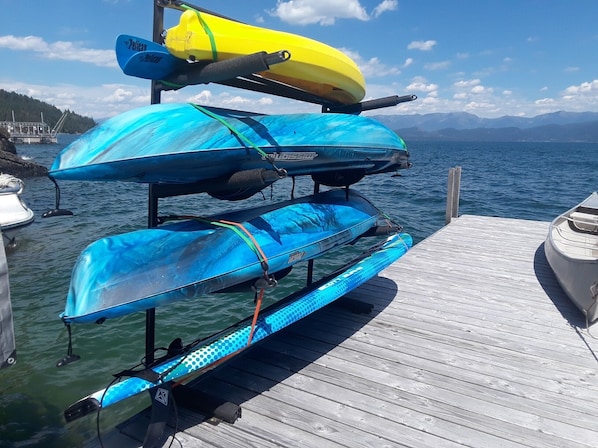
(60, 50)
(408, 62)
(119, 95)
(479, 107)
(324, 12)
(467, 84)
(386, 5)
(420, 84)
(437, 65)
(584, 87)
(421, 45)
(373, 67)
(544, 101)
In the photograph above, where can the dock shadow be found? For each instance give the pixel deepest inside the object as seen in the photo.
(233, 383)
(555, 293)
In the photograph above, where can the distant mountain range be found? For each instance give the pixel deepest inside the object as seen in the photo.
(462, 126)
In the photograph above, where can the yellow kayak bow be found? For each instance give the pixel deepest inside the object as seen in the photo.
(314, 67)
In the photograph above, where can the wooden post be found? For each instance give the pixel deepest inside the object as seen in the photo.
(452, 194)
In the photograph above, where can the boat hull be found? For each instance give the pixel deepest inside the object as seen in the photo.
(571, 249)
(125, 273)
(313, 66)
(14, 213)
(181, 143)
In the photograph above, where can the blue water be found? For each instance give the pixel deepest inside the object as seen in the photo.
(519, 180)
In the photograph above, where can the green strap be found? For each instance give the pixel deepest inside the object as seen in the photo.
(235, 229)
(240, 234)
(260, 151)
(207, 30)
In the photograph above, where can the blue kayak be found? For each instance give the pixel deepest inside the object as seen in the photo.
(135, 271)
(186, 143)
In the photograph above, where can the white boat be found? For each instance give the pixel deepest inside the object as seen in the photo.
(572, 252)
(14, 213)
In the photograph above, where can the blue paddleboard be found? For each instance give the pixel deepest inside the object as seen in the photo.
(184, 143)
(199, 358)
(135, 271)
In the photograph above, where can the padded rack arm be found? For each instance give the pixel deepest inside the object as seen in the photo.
(258, 84)
(200, 73)
(369, 105)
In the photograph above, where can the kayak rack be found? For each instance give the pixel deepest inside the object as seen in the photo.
(238, 73)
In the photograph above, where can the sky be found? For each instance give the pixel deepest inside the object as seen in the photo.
(489, 58)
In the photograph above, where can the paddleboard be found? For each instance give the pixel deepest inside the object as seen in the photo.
(201, 357)
(135, 271)
(313, 66)
(186, 143)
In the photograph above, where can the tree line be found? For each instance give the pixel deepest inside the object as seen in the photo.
(29, 109)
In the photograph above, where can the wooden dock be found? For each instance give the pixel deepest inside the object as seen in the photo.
(471, 342)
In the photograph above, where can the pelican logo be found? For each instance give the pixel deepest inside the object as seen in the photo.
(135, 45)
(151, 58)
(162, 396)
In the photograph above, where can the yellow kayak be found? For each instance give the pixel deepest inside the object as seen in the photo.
(314, 67)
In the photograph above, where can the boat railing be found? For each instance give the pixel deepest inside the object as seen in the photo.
(583, 222)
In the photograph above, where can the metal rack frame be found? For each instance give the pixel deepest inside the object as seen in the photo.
(247, 82)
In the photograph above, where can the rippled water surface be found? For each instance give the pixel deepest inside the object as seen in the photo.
(519, 180)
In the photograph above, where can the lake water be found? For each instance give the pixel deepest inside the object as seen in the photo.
(519, 180)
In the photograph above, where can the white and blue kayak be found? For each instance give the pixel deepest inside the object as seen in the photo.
(199, 357)
(122, 274)
(187, 143)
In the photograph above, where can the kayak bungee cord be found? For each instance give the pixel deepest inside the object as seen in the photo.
(267, 157)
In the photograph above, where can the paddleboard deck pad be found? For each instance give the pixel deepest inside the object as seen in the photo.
(186, 143)
(199, 358)
(135, 271)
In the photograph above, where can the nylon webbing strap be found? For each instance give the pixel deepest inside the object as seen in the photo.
(207, 30)
(260, 151)
(247, 237)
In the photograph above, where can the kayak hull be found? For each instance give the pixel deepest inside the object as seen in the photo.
(122, 274)
(184, 143)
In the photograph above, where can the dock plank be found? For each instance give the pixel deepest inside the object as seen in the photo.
(471, 343)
